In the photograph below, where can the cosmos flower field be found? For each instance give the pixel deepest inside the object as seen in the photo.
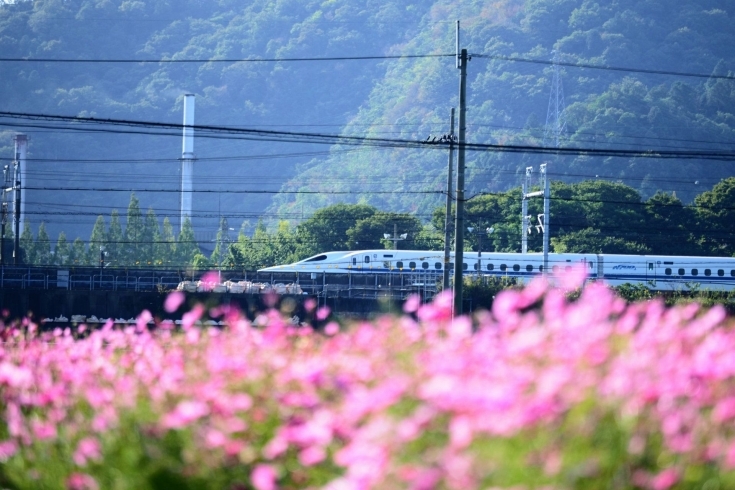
(540, 393)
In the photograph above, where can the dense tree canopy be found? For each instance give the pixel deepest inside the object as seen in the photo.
(406, 98)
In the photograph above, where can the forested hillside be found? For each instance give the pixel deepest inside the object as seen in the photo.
(406, 98)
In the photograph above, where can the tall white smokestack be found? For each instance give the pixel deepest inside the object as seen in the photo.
(21, 151)
(187, 159)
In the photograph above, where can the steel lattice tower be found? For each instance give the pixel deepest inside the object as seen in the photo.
(556, 115)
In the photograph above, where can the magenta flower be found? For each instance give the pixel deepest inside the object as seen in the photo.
(173, 301)
(263, 477)
(185, 413)
(87, 449)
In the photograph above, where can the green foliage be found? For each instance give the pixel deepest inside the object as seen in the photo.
(27, 245)
(327, 228)
(62, 250)
(42, 247)
(186, 247)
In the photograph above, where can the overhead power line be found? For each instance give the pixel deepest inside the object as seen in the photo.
(607, 68)
(519, 59)
(332, 139)
(227, 60)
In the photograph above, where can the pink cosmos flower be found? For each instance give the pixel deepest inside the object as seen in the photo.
(666, 479)
(264, 477)
(173, 301)
(322, 313)
(573, 278)
(87, 449)
(332, 328)
(7, 450)
(185, 413)
(81, 481)
(412, 303)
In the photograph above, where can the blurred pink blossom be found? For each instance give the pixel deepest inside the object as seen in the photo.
(264, 477)
(173, 301)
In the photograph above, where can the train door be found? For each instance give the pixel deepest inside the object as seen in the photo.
(650, 271)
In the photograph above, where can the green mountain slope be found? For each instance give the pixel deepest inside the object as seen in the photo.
(508, 100)
(407, 98)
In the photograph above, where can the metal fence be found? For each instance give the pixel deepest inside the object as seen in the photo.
(358, 285)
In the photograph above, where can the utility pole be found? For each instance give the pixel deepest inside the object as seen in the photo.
(2, 231)
(395, 239)
(459, 220)
(16, 247)
(545, 224)
(4, 216)
(524, 210)
(547, 199)
(448, 217)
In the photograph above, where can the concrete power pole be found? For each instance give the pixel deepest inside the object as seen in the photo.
(187, 160)
(448, 218)
(21, 152)
(459, 220)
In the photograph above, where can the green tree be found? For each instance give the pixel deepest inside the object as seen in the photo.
(62, 250)
(186, 247)
(326, 229)
(368, 233)
(715, 218)
(594, 241)
(135, 249)
(27, 245)
(222, 242)
(42, 247)
(97, 241)
(265, 249)
(115, 238)
(670, 226)
(201, 262)
(166, 245)
(150, 238)
(78, 255)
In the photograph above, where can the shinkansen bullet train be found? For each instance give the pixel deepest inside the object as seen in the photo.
(657, 272)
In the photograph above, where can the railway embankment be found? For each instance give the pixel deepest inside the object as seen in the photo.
(52, 304)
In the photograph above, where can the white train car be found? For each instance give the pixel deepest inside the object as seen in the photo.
(657, 272)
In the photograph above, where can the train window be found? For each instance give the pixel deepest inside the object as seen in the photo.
(412, 265)
(438, 266)
(695, 272)
(668, 271)
(720, 272)
(555, 269)
(317, 258)
(503, 267)
(490, 267)
(367, 259)
(650, 266)
(541, 268)
(399, 264)
(591, 264)
(451, 266)
(388, 255)
(681, 272)
(529, 268)
(425, 265)
(516, 267)
(732, 272)
(464, 266)
(668, 263)
(354, 260)
(567, 268)
(707, 272)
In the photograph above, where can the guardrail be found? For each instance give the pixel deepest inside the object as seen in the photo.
(320, 285)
